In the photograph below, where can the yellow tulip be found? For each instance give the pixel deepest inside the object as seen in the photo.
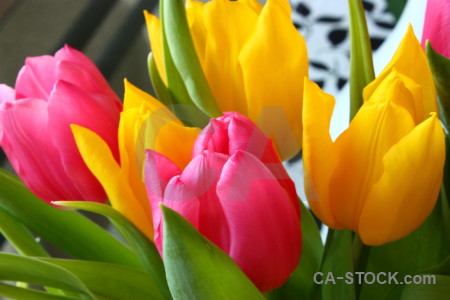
(254, 61)
(380, 177)
(144, 124)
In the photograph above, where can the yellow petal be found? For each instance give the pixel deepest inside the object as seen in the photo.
(224, 41)
(410, 98)
(138, 108)
(407, 191)
(274, 63)
(319, 158)
(410, 60)
(155, 38)
(194, 14)
(374, 130)
(137, 98)
(132, 167)
(101, 163)
(167, 143)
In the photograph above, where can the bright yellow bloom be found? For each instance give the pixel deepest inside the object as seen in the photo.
(380, 177)
(254, 60)
(144, 124)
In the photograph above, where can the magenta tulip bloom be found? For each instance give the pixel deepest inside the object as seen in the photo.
(233, 198)
(51, 93)
(436, 28)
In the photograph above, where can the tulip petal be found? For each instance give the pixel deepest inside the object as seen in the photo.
(200, 178)
(437, 26)
(259, 212)
(408, 188)
(158, 172)
(409, 51)
(410, 99)
(131, 160)
(165, 144)
(7, 93)
(36, 78)
(194, 14)
(135, 97)
(234, 132)
(74, 66)
(374, 130)
(100, 161)
(281, 68)
(97, 115)
(155, 36)
(319, 157)
(30, 152)
(224, 41)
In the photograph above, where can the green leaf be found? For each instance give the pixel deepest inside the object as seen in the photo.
(300, 284)
(144, 249)
(113, 282)
(67, 230)
(423, 249)
(438, 291)
(19, 236)
(162, 93)
(337, 260)
(183, 106)
(442, 268)
(361, 65)
(182, 51)
(198, 269)
(396, 7)
(440, 68)
(31, 270)
(14, 292)
(173, 95)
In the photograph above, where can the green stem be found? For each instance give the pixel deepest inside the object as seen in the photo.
(361, 65)
(445, 211)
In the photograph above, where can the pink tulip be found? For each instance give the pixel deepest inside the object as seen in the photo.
(437, 26)
(234, 132)
(51, 93)
(233, 198)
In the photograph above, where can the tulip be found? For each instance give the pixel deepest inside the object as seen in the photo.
(380, 177)
(254, 61)
(144, 123)
(233, 198)
(436, 27)
(51, 93)
(234, 132)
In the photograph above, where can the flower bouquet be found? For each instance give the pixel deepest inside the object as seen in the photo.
(193, 182)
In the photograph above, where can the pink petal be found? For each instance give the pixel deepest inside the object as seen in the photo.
(69, 104)
(158, 171)
(264, 226)
(36, 78)
(74, 58)
(234, 132)
(437, 26)
(200, 178)
(7, 93)
(31, 152)
(214, 137)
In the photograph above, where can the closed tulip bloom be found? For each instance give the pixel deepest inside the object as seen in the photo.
(436, 27)
(52, 92)
(144, 123)
(233, 199)
(254, 61)
(234, 132)
(381, 176)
